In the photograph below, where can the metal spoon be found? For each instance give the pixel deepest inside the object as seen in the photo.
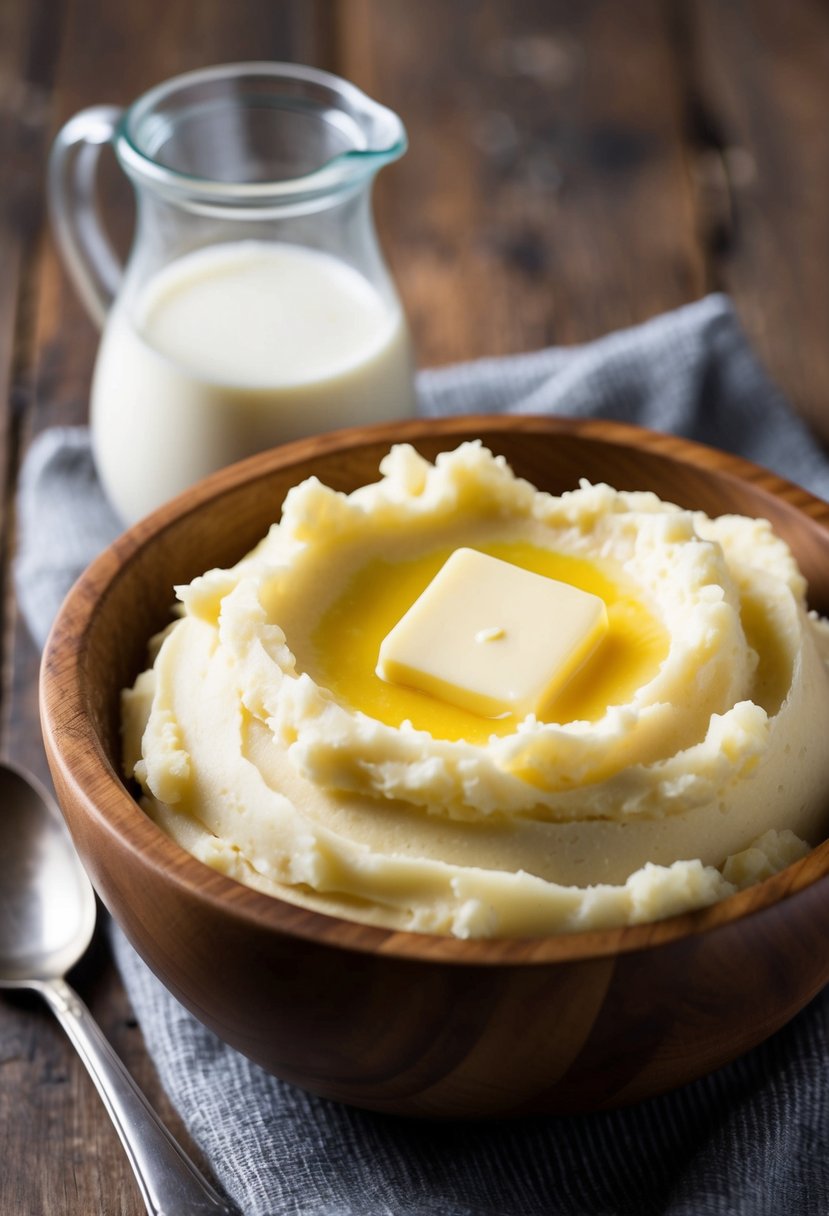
(47, 915)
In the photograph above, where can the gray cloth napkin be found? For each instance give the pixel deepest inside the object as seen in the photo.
(750, 1140)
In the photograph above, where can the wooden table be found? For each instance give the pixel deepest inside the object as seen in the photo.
(573, 168)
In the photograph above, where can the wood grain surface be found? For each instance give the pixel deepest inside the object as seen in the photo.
(572, 169)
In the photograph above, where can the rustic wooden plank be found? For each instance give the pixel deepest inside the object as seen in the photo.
(761, 70)
(25, 52)
(11, 37)
(21, 118)
(544, 197)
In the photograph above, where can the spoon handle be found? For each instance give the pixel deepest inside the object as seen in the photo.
(170, 1183)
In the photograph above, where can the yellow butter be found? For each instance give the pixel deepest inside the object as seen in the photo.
(493, 638)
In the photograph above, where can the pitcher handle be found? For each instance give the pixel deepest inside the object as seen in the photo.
(86, 249)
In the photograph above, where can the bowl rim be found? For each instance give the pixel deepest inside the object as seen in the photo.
(93, 780)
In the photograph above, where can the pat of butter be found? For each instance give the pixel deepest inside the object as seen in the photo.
(493, 638)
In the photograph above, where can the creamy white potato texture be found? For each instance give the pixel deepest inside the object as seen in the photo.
(687, 759)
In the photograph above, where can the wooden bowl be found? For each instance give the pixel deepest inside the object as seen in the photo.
(397, 1021)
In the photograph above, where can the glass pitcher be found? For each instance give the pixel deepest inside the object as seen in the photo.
(255, 306)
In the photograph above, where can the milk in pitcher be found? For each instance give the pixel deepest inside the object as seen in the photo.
(235, 348)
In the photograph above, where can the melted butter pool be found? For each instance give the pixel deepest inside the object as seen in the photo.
(346, 642)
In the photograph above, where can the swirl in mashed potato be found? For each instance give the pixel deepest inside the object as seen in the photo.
(687, 759)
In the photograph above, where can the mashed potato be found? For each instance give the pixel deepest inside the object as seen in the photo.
(685, 760)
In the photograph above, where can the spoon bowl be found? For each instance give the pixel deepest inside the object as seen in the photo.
(47, 907)
(47, 918)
